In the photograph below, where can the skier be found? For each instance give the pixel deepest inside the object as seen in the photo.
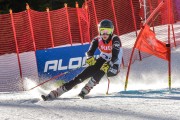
(108, 62)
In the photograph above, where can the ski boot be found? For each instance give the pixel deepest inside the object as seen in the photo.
(45, 98)
(81, 95)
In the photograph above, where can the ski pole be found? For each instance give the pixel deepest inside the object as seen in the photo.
(61, 74)
(108, 85)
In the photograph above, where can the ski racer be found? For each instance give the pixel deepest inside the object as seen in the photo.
(109, 61)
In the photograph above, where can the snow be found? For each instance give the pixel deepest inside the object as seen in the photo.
(147, 97)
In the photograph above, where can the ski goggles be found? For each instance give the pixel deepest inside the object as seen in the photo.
(106, 31)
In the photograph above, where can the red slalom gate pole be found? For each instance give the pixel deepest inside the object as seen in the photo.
(108, 86)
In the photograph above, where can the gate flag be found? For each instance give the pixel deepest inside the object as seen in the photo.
(148, 43)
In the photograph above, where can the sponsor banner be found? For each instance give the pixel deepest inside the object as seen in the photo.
(51, 62)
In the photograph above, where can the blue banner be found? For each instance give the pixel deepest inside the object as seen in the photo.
(54, 61)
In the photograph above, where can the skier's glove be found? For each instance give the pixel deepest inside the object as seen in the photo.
(105, 67)
(91, 61)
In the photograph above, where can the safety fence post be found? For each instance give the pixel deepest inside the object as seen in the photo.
(79, 21)
(16, 44)
(69, 28)
(50, 27)
(31, 27)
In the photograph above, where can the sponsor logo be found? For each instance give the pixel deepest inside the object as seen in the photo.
(106, 47)
(114, 71)
(57, 65)
(116, 45)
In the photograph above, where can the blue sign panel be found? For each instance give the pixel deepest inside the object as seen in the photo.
(52, 62)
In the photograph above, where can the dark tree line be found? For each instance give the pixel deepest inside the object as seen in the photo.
(38, 5)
